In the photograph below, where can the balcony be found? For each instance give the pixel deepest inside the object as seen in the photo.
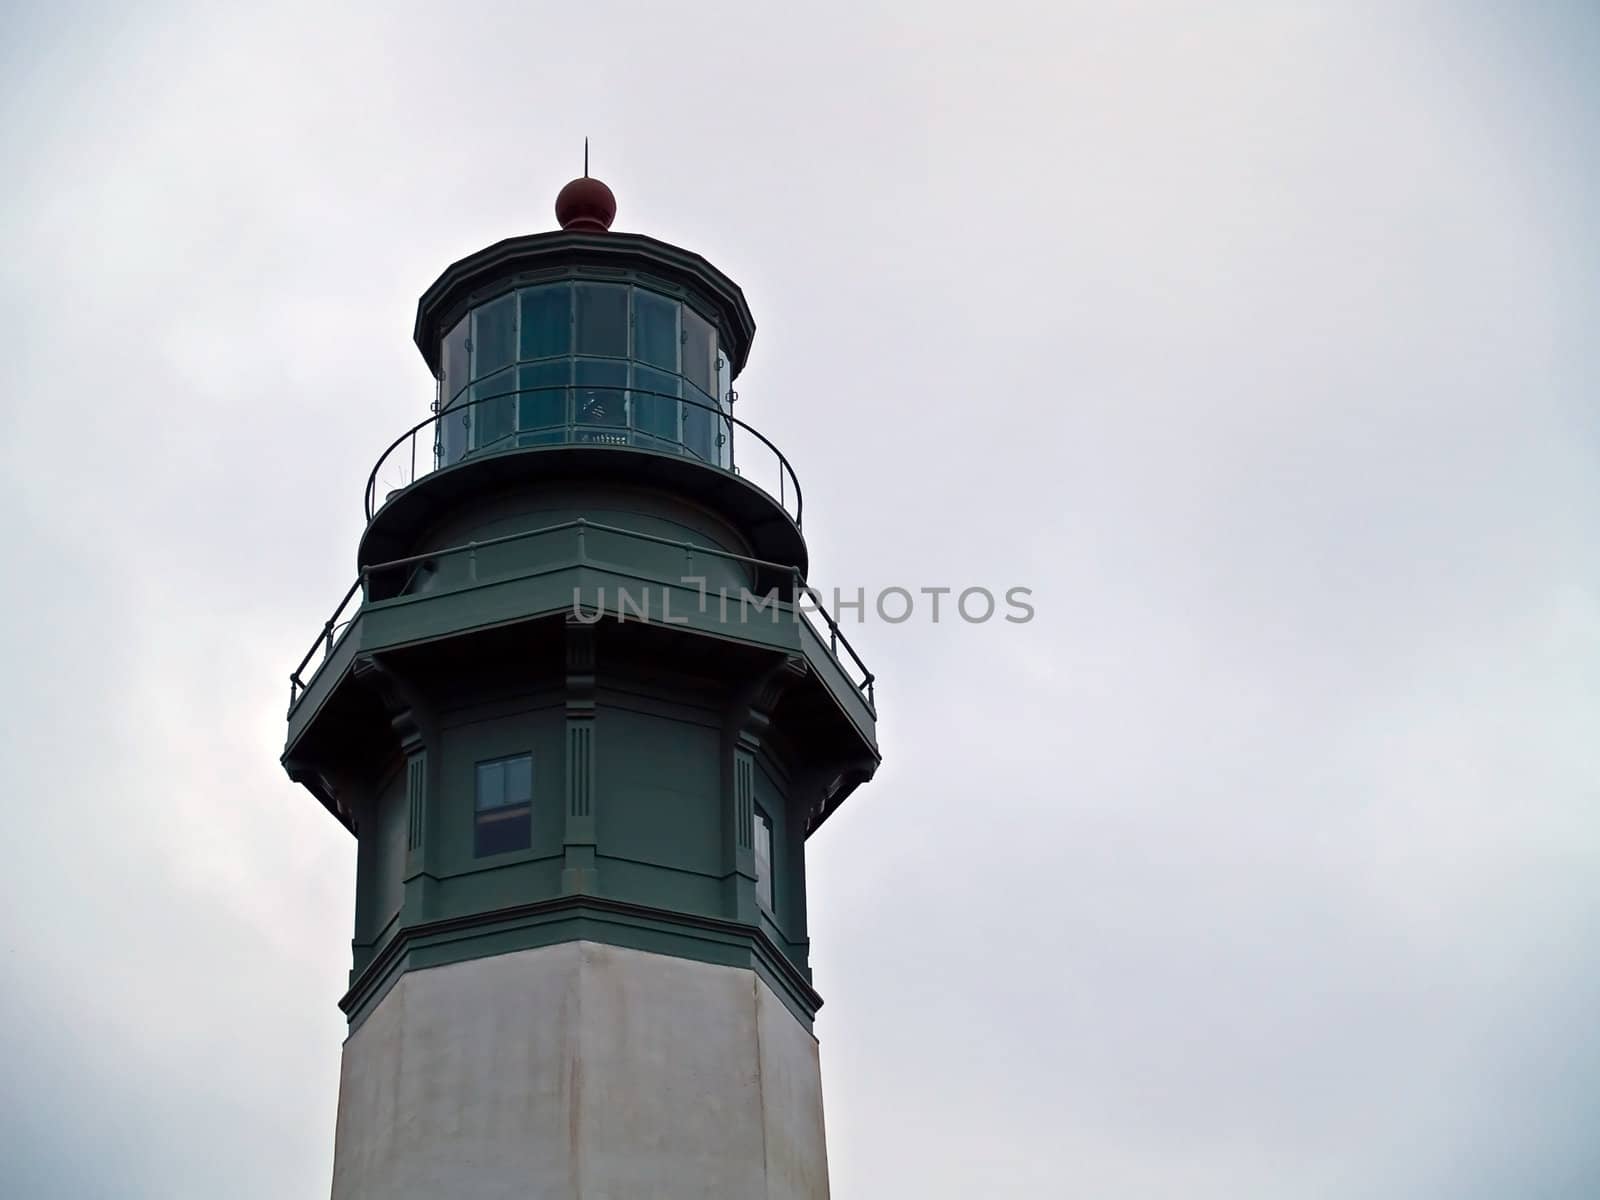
(538, 572)
(592, 415)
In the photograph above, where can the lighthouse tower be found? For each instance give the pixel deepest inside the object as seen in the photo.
(581, 718)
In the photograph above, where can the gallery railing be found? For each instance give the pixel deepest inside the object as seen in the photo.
(830, 635)
(631, 418)
(321, 650)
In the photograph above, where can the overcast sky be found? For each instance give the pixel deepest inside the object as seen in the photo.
(1259, 340)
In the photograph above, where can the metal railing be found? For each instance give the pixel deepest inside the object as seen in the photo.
(398, 467)
(333, 630)
(343, 616)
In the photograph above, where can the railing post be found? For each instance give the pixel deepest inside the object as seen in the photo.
(472, 561)
(583, 549)
(827, 617)
(688, 560)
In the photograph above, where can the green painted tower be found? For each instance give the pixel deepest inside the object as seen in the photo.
(581, 717)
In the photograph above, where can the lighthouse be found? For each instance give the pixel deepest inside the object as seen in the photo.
(581, 712)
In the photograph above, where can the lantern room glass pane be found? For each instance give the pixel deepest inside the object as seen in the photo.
(655, 330)
(721, 439)
(724, 427)
(698, 431)
(453, 361)
(454, 425)
(655, 408)
(494, 416)
(494, 336)
(699, 346)
(602, 392)
(546, 321)
(602, 310)
(542, 400)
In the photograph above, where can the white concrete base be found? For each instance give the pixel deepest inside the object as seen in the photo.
(580, 1072)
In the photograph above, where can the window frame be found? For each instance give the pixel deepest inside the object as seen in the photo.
(501, 812)
(761, 822)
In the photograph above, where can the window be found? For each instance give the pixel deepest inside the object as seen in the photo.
(454, 426)
(699, 349)
(546, 321)
(494, 336)
(493, 414)
(452, 436)
(655, 330)
(503, 807)
(762, 830)
(699, 346)
(655, 408)
(602, 319)
(454, 361)
(697, 426)
(602, 396)
(542, 401)
(603, 363)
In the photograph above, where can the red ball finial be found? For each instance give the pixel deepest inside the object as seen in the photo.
(586, 204)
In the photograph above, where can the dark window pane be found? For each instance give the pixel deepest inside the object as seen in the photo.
(655, 415)
(494, 336)
(542, 403)
(547, 321)
(495, 413)
(602, 392)
(698, 347)
(453, 358)
(602, 318)
(655, 330)
(503, 830)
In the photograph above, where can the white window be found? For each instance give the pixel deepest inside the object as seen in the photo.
(763, 850)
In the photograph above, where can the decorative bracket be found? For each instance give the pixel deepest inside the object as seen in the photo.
(751, 714)
(824, 789)
(749, 718)
(327, 788)
(407, 712)
(411, 720)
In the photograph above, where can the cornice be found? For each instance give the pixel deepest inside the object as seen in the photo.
(565, 249)
(375, 980)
